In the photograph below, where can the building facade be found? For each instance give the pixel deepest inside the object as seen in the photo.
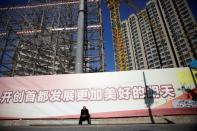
(181, 27)
(126, 39)
(162, 39)
(136, 43)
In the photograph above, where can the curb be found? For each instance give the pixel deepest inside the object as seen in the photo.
(186, 119)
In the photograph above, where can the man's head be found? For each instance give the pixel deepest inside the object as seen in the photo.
(84, 107)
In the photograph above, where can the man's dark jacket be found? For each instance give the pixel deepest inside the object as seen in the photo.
(85, 112)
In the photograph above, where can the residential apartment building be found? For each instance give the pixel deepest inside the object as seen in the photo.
(163, 35)
(137, 44)
(180, 25)
(127, 45)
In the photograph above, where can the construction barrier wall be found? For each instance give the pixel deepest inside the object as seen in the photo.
(112, 94)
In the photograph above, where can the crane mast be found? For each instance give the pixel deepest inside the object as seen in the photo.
(118, 44)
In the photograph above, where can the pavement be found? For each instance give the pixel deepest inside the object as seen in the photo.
(184, 119)
(130, 127)
(162, 123)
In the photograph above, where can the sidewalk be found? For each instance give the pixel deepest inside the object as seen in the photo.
(185, 119)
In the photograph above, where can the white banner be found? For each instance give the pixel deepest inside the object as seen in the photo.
(109, 94)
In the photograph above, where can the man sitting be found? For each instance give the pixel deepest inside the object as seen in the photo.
(84, 115)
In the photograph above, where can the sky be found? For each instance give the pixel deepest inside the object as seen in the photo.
(125, 11)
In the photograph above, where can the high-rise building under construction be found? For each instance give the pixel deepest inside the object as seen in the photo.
(39, 38)
(163, 35)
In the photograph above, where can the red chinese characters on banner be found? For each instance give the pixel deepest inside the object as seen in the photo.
(138, 92)
(86, 94)
(18, 97)
(167, 90)
(96, 94)
(82, 94)
(153, 91)
(110, 93)
(30, 96)
(55, 95)
(42, 96)
(124, 93)
(6, 96)
(69, 95)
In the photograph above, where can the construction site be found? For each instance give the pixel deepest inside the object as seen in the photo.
(66, 36)
(53, 65)
(40, 38)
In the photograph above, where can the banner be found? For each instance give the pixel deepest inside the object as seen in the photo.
(110, 94)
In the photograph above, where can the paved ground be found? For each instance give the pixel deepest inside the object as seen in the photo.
(136, 127)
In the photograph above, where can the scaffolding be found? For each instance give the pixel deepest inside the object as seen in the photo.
(40, 38)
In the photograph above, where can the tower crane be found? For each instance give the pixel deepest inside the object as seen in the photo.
(118, 44)
(119, 49)
(113, 6)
